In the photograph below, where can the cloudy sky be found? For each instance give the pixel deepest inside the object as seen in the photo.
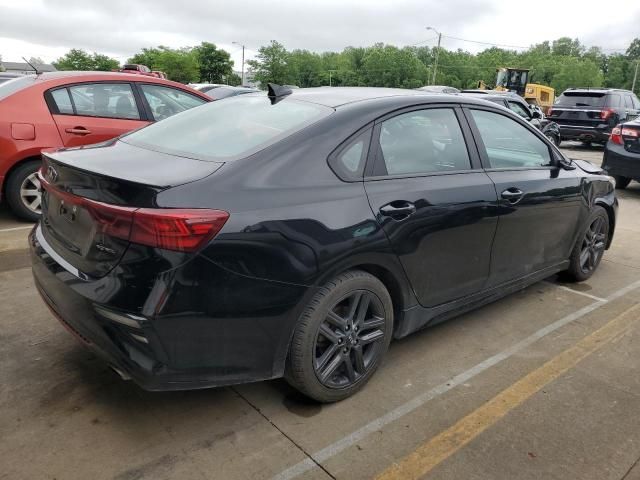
(119, 28)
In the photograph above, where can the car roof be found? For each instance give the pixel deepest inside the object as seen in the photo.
(337, 96)
(594, 90)
(91, 76)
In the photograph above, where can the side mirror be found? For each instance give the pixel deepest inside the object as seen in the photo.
(535, 114)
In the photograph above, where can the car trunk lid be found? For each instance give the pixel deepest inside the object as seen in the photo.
(89, 203)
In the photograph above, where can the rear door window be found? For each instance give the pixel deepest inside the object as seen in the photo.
(109, 100)
(63, 101)
(423, 141)
(167, 101)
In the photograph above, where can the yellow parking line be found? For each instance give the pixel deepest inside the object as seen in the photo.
(426, 457)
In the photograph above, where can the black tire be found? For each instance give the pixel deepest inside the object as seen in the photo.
(586, 144)
(590, 246)
(621, 182)
(15, 183)
(317, 365)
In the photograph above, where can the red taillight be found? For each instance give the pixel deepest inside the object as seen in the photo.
(630, 132)
(616, 135)
(607, 113)
(185, 230)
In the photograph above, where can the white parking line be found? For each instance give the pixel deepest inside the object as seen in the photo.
(13, 229)
(349, 440)
(569, 289)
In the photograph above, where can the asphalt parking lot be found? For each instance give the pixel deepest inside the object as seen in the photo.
(542, 384)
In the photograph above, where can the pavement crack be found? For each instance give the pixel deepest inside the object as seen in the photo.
(283, 433)
(633, 465)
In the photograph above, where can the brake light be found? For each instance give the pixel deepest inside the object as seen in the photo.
(616, 135)
(606, 113)
(185, 230)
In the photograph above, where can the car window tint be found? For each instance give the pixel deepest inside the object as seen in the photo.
(636, 102)
(348, 163)
(509, 144)
(234, 128)
(423, 141)
(63, 101)
(113, 100)
(628, 102)
(613, 101)
(519, 109)
(167, 101)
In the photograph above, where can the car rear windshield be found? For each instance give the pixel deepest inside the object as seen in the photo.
(12, 86)
(233, 128)
(581, 99)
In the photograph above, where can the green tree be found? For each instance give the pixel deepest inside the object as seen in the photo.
(270, 65)
(214, 64)
(565, 46)
(77, 59)
(633, 51)
(179, 64)
(233, 79)
(575, 72)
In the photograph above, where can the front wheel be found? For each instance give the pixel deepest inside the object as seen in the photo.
(341, 337)
(590, 247)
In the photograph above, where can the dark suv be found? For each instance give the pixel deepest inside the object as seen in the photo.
(589, 114)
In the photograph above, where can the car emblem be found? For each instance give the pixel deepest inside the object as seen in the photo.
(52, 174)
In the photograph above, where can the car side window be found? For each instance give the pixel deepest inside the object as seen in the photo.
(614, 101)
(628, 102)
(111, 100)
(509, 144)
(167, 101)
(62, 101)
(348, 162)
(519, 109)
(636, 102)
(423, 141)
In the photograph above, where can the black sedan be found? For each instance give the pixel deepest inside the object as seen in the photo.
(622, 154)
(296, 233)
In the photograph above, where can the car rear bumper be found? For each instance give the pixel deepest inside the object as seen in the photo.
(620, 162)
(598, 133)
(178, 348)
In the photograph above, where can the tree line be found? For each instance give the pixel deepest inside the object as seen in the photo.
(560, 63)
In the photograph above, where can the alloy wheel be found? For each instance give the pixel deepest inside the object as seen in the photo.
(349, 339)
(593, 245)
(30, 193)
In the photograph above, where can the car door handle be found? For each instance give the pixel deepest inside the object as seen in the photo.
(398, 208)
(78, 131)
(512, 194)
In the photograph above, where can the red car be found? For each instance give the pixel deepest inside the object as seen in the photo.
(69, 109)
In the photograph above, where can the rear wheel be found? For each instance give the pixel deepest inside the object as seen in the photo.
(621, 182)
(341, 337)
(589, 248)
(23, 191)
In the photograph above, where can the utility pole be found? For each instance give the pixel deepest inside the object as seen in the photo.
(330, 73)
(635, 77)
(435, 67)
(242, 81)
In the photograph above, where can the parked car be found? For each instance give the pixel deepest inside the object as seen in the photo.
(622, 154)
(296, 233)
(137, 69)
(438, 89)
(589, 114)
(6, 76)
(220, 92)
(68, 109)
(518, 105)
